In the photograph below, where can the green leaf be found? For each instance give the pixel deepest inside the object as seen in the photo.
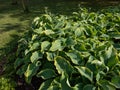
(79, 31)
(116, 81)
(78, 86)
(49, 32)
(48, 65)
(31, 71)
(18, 62)
(117, 46)
(65, 85)
(34, 46)
(80, 47)
(45, 45)
(45, 85)
(109, 52)
(98, 77)
(116, 36)
(75, 57)
(56, 45)
(86, 72)
(48, 17)
(113, 61)
(35, 56)
(50, 56)
(106, 85)
(22, 69)
(69, 41)
(89, 87)
(38, 31)
(46, 74)
(62, 65)
(97, 62)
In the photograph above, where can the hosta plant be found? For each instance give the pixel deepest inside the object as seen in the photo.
(79, 52)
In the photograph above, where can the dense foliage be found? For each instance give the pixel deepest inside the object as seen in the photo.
(79, 52)
(7, 84)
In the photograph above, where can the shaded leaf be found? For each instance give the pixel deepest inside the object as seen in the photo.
(113, 61)
(30, 72)
(65, 85)
(46, 73)
(78, 86)
(22, 69)
(89, 87)
(45, 85)
(116, 81)
(106, 85)
(18, 62)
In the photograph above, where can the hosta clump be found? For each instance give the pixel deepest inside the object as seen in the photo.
(72, 53)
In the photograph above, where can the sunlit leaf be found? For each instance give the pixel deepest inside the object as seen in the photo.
(56, 45)
(84, 71)
(62, 65)
(50, 56)
(35, 56)
(75, 57)
(45, 45)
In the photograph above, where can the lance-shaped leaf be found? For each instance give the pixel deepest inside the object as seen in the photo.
(62, 65)
(86, 72)
(35, 56)
(46, 73)
(45, 45)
